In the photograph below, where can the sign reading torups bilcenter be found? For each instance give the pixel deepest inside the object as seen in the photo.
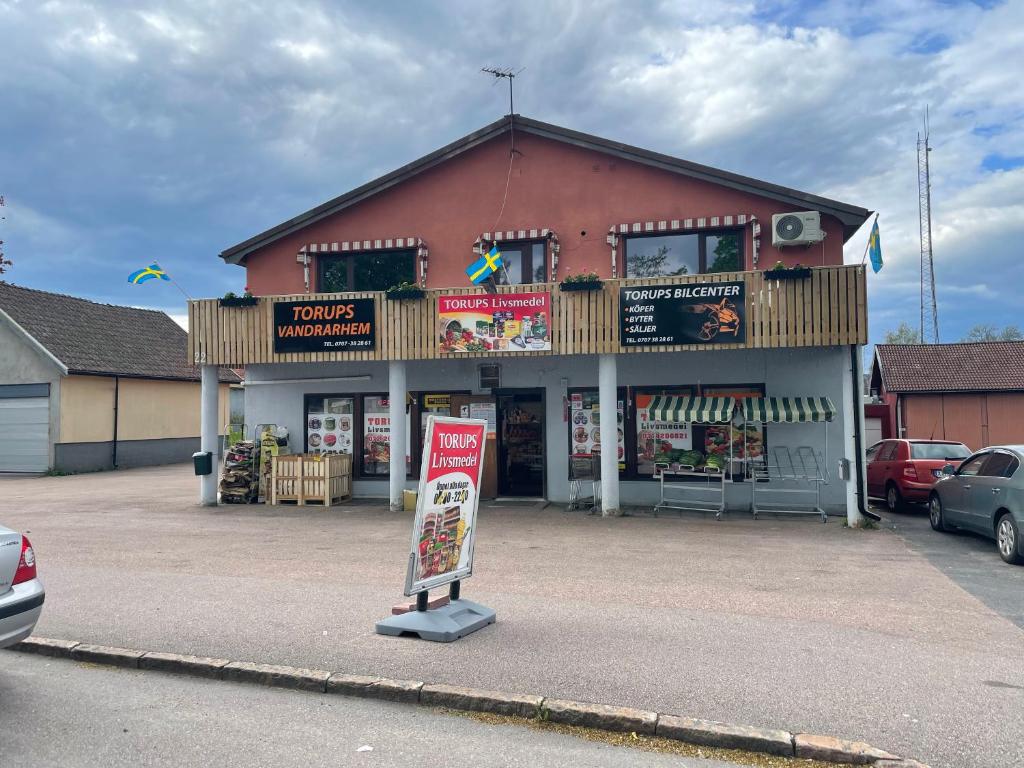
(324, 326)
(693, 313)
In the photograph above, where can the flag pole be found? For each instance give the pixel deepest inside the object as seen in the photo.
(867, 245)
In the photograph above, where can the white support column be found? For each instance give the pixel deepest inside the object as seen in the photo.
(853, 418)
(608, 398)
(208, 432)
(396, 412)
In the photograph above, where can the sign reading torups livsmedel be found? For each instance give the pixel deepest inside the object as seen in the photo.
(688, 313)
(333, 325)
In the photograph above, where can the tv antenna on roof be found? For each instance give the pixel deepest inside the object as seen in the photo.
(509, 74)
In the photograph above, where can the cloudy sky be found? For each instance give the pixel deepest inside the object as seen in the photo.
(133, 132)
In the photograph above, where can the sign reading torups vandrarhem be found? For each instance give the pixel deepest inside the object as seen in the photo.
(494, 322)
(324, 326)
(691, 313)
(449, 493)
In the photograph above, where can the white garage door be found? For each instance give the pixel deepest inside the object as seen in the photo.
(872, 430)
(24, 434)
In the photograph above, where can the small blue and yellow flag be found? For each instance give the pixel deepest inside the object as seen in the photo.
(485, 266)
(152, 272)
(875, 247)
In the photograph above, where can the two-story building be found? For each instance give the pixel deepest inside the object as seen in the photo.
(690, 352)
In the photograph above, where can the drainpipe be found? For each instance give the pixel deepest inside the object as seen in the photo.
(117, 394)
(858, 434)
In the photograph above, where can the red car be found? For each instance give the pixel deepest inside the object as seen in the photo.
(901, 471)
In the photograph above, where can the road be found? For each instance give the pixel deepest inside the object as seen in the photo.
(969, 560)
(55, 712)
(783, 623)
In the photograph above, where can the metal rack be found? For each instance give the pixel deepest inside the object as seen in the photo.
(804, 474)
(708, 496)
(583, 469)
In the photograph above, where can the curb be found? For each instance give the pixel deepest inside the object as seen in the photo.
(528, 706)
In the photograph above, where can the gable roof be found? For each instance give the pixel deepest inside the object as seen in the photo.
(982, 366)
(851, 216)
(86, 337)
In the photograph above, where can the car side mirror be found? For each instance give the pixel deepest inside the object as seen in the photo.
(949, 469)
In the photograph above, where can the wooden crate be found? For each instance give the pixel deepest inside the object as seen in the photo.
(306, 478)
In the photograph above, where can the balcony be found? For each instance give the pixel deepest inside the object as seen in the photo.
(829, 308)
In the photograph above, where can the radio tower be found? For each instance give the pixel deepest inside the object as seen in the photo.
(929, 308)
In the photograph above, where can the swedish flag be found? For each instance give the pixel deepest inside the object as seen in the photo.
(875, 247)
(485, 266)
(152, 272)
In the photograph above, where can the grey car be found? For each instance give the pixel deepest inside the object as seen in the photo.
(21, 591)
(985, 495)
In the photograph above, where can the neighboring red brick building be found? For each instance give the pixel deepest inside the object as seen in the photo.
(971, 392)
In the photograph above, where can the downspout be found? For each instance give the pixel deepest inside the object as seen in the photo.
(858, 435)
(117, 387)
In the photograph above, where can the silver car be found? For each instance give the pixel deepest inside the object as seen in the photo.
(21, 591)
(985, 495)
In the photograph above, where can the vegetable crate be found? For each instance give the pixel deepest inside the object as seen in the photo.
(311, 479)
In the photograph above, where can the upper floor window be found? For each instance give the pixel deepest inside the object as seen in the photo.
(525, 262)
(684, 254)
(365, 270)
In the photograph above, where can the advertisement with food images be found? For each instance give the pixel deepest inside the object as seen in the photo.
(588, 429)
(503, 322)
(446, 507)
(377, 436)
(662, 442)
(692, 313)
(329, 427)
(324, 326)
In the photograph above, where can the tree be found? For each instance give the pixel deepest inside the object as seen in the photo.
(983, 332)
(904, 334)
(727, 255)
(652, 264)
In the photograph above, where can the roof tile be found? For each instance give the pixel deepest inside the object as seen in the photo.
(983, 366)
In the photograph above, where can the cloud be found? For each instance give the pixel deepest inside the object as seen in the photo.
(171, 131)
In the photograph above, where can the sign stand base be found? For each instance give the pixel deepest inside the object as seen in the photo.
(440, 625)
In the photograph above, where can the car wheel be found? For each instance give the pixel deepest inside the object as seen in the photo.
(893, 499)
(1008, 540)
(935, 513)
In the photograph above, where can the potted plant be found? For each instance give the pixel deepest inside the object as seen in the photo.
(582, 281)
(230, 299)
(781, 272)
(404, 290)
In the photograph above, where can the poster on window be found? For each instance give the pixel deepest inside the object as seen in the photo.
(377, 437)
(690, 313)
(588, 428)
(662, 442)
(329, 428)
(446, 507)
(500, 322)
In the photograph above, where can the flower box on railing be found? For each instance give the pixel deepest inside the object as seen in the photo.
(239, 301)
(581, 285)
(791, 273)
(405, 293)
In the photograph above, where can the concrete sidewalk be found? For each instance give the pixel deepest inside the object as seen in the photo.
(781, 623)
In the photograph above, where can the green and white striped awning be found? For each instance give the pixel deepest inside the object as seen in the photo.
(691, 410)
(773, 410)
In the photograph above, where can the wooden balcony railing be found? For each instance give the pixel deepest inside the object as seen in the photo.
(829, 308)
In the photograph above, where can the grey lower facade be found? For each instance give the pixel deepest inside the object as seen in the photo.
(277, 394)
(99, 456)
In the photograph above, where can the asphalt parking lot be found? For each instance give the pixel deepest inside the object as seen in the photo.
(777, 622)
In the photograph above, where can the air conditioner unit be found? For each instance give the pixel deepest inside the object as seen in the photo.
(800, 228)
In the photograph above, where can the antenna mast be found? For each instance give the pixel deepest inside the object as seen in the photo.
(510, 75)
(929, 307)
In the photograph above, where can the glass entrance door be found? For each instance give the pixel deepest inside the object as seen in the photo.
(521, 443)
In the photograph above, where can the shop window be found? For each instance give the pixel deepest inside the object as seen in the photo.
(684, 254)
(366, 270)
(589, 430)
(377, 437)
(748, 440)
(665, 442)
(525, 262)
(329, 424)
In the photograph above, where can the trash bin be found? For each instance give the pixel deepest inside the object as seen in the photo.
(203, 461)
